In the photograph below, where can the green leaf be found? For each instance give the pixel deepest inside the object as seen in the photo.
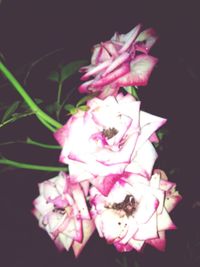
(52, 108)
(85, 99)
(132, 91)
(38, 101)
(71, 68)
(8, 113)
(71, 109)
(54, 76)
(162, 133)
(83, 108)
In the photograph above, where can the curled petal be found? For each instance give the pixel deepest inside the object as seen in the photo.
(141, 68)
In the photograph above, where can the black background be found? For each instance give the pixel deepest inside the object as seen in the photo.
(32, 28)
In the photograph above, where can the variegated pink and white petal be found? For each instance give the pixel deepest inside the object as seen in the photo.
(110, 77)
(79, 198)
(143, 160)
(66, 241)
(141, 68)
(164, 221)
(123, 247)
(105, 183)
(136, 244)
(88, 229)
(146, 208)
(172, 200)
(147, 230)
(159, 243)
(146, 40)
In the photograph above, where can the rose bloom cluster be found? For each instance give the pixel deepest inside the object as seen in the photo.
(111, 185)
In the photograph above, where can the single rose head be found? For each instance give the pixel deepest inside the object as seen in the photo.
(121, 61)
(111, 136)
(62, 211)
(136, 211)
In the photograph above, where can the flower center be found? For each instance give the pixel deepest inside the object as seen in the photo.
(109, 133)
(128, 205)
(59, 210)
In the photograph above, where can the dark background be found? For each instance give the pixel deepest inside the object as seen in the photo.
(33, 28)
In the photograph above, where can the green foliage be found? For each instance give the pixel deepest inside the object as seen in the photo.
(132, 91)
(9, 112)
(71, 109)
(85, 99)
(15, 111)
(66, 71)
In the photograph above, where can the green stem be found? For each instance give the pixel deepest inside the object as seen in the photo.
(59, 92)
(46, 124)
(32, 142)
(31, 166)
(59, 99)
(27, 98)
(14, 119)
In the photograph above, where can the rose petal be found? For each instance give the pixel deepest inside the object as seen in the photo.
(140, 71)
(88, 229)
(159, 243)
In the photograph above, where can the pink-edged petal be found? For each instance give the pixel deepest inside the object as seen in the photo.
(158, 243)
(141, 68)
(85, 187)
(42, 206)
(111, 48)
(59, 244)
(99, 55)
(66, 241)
(146, 208)
(69, 228)
(147, 230)
(155, 181)
(146, 40)
(129, 38)
(164, 221)
(96, 69)
(172, 200)
(119, 72)
(105, 183)
(116, 63)
(116, 228)
(154, 138)
(84, 87)
(149, 124)
(123, 247)
(48, 190)
(108, 90)
(88, 229)
(80, 201)
(136, 244)
(132, 229)
(143, 160)
(54, 220)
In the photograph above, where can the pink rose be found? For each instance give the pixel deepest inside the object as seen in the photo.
(135, 211)
(112, 136)
(121, 61)
(62, 211)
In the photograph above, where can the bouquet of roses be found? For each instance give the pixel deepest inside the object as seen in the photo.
(109, 146)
